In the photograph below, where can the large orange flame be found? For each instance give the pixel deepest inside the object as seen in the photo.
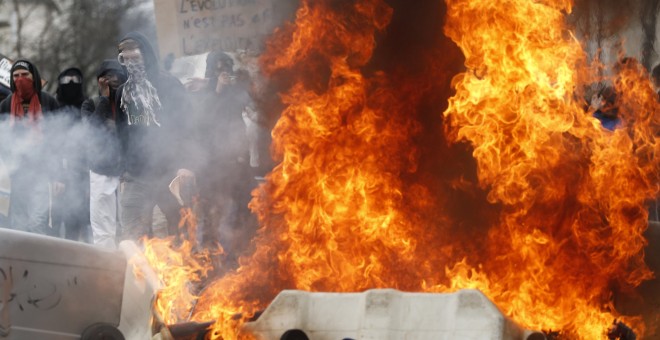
(572, 193)
(180, 267)
(345, 209)
(335, 213)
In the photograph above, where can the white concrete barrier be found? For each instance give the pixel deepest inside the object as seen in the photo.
(383, 314)
(55, 289)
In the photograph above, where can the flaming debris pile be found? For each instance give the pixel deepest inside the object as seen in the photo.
(354, 203)
(181, 266)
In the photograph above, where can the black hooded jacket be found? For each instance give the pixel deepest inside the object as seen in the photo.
(99, 118)
(48, 103)
(44, 156)
(70, 97)
(155, 151)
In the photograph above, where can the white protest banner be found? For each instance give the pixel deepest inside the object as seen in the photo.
(5, 71)
(191, 27)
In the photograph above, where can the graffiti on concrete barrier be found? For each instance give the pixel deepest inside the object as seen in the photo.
(27, 291)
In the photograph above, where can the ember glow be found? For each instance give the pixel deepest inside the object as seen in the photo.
(345, 210)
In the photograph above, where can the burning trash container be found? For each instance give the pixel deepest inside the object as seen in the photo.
(56, 289)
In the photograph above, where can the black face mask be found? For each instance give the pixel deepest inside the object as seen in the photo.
(71, 93)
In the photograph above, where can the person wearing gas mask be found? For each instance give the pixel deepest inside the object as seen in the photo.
(100, 115)
(27, 151)
(72, 210)
(151, 125)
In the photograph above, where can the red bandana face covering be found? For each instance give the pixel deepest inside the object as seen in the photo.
(25, 92)
(24, 88)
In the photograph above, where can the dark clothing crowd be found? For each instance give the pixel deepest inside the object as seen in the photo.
(99, 169)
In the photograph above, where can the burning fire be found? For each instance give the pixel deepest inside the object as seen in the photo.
(345, 209)
(572, 194)
(181, 267)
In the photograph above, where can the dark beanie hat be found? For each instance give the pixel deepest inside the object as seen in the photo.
(110, 65)
(22, 64)
(113, 65)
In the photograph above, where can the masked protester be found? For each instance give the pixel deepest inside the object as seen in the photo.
(100, 116)
(152, 108)
(27, 151)
(70, 88)
(224, 173)
(72, 210)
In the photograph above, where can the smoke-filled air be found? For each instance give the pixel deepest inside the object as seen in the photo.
(421, 146)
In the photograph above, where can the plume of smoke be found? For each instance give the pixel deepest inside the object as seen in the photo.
(649, 17)
(600, 23)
